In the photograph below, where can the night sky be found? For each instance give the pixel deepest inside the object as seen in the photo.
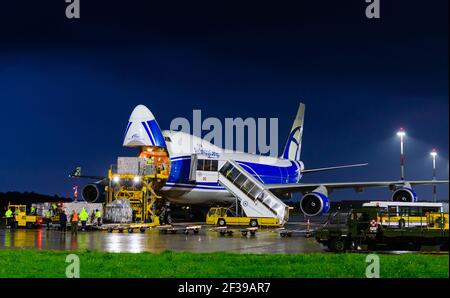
(67, 87)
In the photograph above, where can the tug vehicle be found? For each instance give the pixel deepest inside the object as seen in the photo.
(22, 219)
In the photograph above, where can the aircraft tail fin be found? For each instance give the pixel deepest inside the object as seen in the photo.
(76, 172)
(294, 142)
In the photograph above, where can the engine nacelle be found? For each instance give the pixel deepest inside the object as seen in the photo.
(93, 193)
(404, 194)
(315, 203)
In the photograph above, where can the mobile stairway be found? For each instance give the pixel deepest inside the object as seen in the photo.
(255, 199)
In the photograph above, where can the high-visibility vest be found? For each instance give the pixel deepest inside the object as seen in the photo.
(74, 217)
(84, 215)
(98, 214)
(33, 209)
(48, 214)
(8, 213)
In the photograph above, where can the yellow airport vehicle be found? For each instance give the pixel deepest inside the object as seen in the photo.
(22, 219)
(223, 216)
(137, 180)
(437, 221)
(406, 214)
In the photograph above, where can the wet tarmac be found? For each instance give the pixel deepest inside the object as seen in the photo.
(265, 241)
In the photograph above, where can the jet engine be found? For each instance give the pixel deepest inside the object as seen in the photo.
(315, 202)
(93, 193)
(404, 194)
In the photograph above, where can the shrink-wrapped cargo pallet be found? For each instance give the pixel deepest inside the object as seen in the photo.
(130, 165)
(119, 211)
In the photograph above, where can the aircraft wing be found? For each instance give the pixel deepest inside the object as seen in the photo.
(357, 186)
(306, 171)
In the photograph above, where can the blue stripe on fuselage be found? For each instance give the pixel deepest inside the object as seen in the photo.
(157, 134)
(128, 127)
(268, 174)
(148, 133)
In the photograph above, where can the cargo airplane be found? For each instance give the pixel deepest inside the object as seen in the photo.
(201, 173)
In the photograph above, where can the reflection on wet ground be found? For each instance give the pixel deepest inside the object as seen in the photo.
(265, 241)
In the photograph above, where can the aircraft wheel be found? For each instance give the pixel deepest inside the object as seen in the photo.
(221, 222)
(130, 230)
(253, 223)
(337, 245)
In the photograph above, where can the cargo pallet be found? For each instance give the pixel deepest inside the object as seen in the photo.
(174, 229)
(286, 233)
(130, 228)
(225, 231)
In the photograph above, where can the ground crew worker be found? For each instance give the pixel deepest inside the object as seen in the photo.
(9, 216)
(98, 216)
(54, 207)
(33, 210)
(63, 221)
(74, 223)
(84, 216)
(48, 218)
(93, 217)
(149, 167)
(14, 219)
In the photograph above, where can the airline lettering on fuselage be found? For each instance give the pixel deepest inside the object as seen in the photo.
(209, 153)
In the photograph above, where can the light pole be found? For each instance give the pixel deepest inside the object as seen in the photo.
(401, 133)
(433, 154)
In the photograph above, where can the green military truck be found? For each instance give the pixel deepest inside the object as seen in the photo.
(366, 228)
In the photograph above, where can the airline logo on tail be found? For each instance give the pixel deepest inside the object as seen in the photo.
(294, 142)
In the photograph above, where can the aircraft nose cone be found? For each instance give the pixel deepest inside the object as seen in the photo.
(142, 129)
(141, 113)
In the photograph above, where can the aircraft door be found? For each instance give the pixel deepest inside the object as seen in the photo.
(207, 170)
(193, 168)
